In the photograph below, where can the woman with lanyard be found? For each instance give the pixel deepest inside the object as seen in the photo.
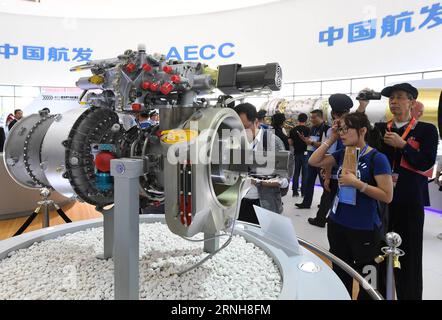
(354, 229)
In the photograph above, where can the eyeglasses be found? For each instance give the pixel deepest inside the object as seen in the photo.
(343, 130)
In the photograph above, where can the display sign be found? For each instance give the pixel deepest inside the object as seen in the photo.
(391, 26)
(204, 52)
(41, 53)
(366, 38)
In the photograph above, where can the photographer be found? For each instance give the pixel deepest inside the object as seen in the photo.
(411, 148)
(354, 230)
(340, 106)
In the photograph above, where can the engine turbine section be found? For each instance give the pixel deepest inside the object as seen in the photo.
(22, 151)
(77, 152)
(70, 153)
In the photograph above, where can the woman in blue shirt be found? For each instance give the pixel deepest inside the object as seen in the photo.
(354, 229)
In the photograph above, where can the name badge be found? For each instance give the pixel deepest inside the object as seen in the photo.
(347, 195)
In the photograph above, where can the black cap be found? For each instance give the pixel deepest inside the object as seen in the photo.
(261, 114)
(340, 102)
(402, 87)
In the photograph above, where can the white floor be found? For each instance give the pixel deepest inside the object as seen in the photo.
(432, 245)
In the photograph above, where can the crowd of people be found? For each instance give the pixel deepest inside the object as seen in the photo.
(387, 191)
(143, 119)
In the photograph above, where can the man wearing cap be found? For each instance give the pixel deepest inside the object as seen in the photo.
(340, 105)
(411, 147)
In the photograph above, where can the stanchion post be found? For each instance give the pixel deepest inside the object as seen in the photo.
(126, 173)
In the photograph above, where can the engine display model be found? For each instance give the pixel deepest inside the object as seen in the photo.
(196, 160)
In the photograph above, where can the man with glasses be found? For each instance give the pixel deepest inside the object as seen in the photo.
(265, 192)
(411, 147)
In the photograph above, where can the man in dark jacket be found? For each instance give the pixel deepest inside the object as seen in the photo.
(411, 147)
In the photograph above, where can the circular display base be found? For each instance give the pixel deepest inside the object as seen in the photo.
(62, 263)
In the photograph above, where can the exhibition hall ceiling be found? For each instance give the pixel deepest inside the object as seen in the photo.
(117, 9)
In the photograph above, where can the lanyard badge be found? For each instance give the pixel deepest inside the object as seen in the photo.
(404, 136)
(411, 125)
(347, 194)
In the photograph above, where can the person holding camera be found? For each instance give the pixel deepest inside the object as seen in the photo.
(354, 226)
(411, 148)
(340, 106)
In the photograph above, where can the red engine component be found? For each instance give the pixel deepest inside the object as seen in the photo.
(145, 85)
(131, 67)
(147, 67)
(167, 69)
(175, 78)
(166, 88)
(154, 86)
(136, 106)
(102, 161)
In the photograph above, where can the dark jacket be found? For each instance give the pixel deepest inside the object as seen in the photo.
(411, 188)
(11, 124)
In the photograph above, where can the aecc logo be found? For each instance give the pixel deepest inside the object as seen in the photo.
(205, 52)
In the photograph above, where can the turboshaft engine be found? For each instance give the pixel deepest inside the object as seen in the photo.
(196, 161)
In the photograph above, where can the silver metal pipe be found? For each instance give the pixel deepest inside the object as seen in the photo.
(390, 278)
(393, 253)
(344, 266)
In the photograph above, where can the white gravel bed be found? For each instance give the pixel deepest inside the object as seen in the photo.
(67, 268)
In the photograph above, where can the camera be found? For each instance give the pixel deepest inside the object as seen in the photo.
(369, 95)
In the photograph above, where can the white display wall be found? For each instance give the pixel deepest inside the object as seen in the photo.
(287, 32)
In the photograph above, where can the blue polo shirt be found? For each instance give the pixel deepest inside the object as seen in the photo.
(364, 215)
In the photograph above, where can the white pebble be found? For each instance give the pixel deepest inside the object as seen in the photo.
(67, 268)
